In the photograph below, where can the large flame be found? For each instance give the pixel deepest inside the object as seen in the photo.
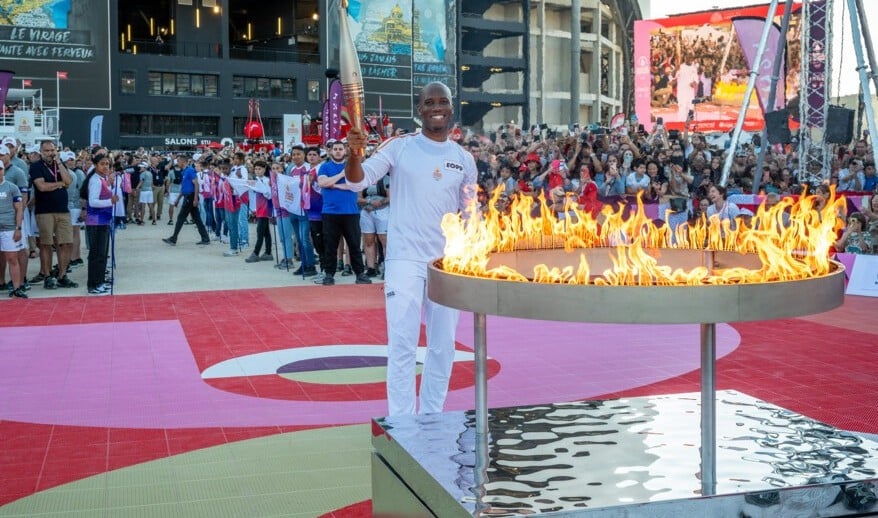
(792, 240)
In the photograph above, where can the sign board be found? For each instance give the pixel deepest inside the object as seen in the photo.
(292, 129)
(864, 276)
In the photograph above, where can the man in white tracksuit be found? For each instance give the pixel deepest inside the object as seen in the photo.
(430, 176)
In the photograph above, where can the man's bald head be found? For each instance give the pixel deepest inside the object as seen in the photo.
(432, 89)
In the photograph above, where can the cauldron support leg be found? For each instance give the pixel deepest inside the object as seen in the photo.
(481, 360)
(708, 409)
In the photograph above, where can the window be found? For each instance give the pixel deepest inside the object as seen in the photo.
(169, 84)
(210, 86)
(127, 82)
(183, 84)
(313, 90)
(264, 87)
(168, 125)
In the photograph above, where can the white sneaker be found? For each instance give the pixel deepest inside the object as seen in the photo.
(230, 253)
(319, 278)
(100, 290)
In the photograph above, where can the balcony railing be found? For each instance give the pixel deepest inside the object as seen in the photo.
(191, 49)
(283, 56)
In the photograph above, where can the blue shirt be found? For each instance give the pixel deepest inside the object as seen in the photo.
(337, 201)
(188, 185)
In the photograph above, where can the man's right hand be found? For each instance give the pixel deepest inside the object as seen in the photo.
(357, 140)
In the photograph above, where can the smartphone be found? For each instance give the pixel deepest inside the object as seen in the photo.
(660, 122)
(623, 130)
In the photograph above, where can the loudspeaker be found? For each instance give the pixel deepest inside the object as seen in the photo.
(777, 127)
(839, 125)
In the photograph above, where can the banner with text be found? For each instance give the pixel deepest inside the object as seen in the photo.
(402, 46)
(36, 37)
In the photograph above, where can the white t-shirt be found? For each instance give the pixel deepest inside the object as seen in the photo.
(638, 184)
(428, 180)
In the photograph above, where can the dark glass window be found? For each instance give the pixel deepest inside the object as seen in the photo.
(264, 87)
(127, 81)
(182, 84)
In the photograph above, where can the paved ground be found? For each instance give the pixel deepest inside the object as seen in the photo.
(145, 264)
(212, 387)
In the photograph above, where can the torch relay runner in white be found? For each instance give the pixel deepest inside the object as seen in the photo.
(430, 176)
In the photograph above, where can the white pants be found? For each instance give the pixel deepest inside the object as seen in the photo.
(405, 291)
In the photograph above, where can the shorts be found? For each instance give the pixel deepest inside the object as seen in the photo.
(7, 244)
(55, 224)
(374, 221)
(173, 198)
(74, 218)
(146, 196)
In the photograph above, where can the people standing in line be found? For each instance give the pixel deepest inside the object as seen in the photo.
(189, 190)
(430, 176)
(50, 179)
(159, 175)
(145, 193)
(100, 206)
(296, 225)
(375, 209)
(240, 172)
(17, 176)
(341, 215)
(74, 204)
(262, 209)
(205, 183)
(174, 184)
(11, 221)
(315, 211)
(231, 205)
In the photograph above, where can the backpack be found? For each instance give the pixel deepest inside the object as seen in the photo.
(83, 190)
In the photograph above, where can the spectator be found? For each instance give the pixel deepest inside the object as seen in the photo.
(340, 215)
(100, 201)
(189, 195)
(260, 201)
(720, 207)
(11, 242)
(50, 179)
(855, 239)
(74, 203)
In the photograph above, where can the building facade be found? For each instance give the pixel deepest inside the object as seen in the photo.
(536, 62)
(181, 73)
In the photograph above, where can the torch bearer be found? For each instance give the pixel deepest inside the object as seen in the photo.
(351, 77)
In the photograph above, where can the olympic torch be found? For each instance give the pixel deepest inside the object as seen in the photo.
(351, 77)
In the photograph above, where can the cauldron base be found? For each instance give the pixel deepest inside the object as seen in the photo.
(621, 457)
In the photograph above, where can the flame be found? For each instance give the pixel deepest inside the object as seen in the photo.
(792, 240)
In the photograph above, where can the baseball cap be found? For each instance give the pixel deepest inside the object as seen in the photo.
(9, 141)
(67, 155)
(33, 149)
(2, 166)
(4, 150)
(196, 156)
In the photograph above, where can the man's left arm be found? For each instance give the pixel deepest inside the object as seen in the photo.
(196, 191)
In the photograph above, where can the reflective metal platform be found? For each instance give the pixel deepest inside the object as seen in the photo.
(624, 457)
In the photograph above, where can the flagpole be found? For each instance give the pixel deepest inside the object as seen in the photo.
(57, 102)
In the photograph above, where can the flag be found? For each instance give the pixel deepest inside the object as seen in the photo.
(749, 31)
(26, 83)
(97, 125)
(61, 75)
(336, 100)
(5, 78)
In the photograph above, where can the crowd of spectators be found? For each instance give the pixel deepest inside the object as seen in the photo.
(676, 173)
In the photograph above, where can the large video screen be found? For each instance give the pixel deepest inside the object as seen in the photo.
(402, 46)
(41, 38)
(695, 65)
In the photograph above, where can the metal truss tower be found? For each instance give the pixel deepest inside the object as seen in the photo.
(814, 95)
